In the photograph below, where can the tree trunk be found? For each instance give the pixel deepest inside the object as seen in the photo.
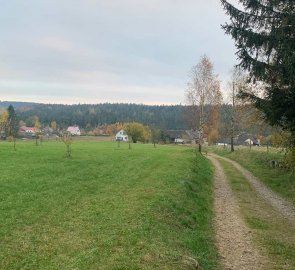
(232, 144)
(232, 122)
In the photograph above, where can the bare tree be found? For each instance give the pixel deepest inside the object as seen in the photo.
(203, 89)
(238, 81)
(67, 140)
(241, 113)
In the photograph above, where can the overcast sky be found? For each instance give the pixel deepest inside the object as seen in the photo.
(93, 51)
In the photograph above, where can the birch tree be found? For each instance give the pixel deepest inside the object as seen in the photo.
(3, 123)
(204, 89)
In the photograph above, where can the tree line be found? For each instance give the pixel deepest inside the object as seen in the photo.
(91, 116)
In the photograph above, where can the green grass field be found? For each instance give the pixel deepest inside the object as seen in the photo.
(104, 208)
(257, 160)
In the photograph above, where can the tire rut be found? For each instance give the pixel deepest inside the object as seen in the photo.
(234, 239)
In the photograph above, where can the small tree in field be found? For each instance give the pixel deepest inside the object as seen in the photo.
(155, 135)
(3, 123)
(53, 125)
(67, 140)
(38, 126)
(137, 132)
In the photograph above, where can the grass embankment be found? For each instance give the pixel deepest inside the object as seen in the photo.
(258, 161)
(269, 228)
(104, 208)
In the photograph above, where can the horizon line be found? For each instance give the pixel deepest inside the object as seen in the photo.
(99, 103)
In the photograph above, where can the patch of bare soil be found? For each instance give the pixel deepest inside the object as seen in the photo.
(234, 239)
(284, 207)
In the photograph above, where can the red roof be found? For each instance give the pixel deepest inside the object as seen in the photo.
(28, 129)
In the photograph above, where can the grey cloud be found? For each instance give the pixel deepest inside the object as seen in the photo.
(135, 45)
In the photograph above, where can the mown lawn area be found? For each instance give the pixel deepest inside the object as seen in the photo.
(107, 207)
(258, 161)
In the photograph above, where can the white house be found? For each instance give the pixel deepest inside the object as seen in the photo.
(179, 140)
(122, 136)
(248, 142)
(74, 130)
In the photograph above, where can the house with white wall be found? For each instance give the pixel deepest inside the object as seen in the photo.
(27, 131)
(74, 130)
(122, 136)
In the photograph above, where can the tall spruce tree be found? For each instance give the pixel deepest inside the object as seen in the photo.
(12, 126)
(12, 122)
(264, 34)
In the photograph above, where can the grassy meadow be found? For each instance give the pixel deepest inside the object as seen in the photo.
(107, 207)
(258, 161)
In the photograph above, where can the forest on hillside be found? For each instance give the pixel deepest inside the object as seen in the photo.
(172, 117)
(92, 115)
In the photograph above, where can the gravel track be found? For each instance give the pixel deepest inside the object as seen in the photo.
(283, 206)
(234, 239)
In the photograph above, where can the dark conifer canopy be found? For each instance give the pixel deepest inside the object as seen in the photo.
(264, 34)
(12, 121)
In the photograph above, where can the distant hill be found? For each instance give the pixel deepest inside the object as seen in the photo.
(16, 104)
(167, 117)
(91, 115)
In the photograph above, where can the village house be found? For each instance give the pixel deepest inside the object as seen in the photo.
(28, 131)
(122, 136)
(74, 130)
(182, 136)
(243, 138)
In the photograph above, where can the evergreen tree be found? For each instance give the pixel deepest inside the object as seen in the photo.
(264, 34)
(12, 126)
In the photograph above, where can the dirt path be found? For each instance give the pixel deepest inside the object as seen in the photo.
(234, 239)
(283, 206)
